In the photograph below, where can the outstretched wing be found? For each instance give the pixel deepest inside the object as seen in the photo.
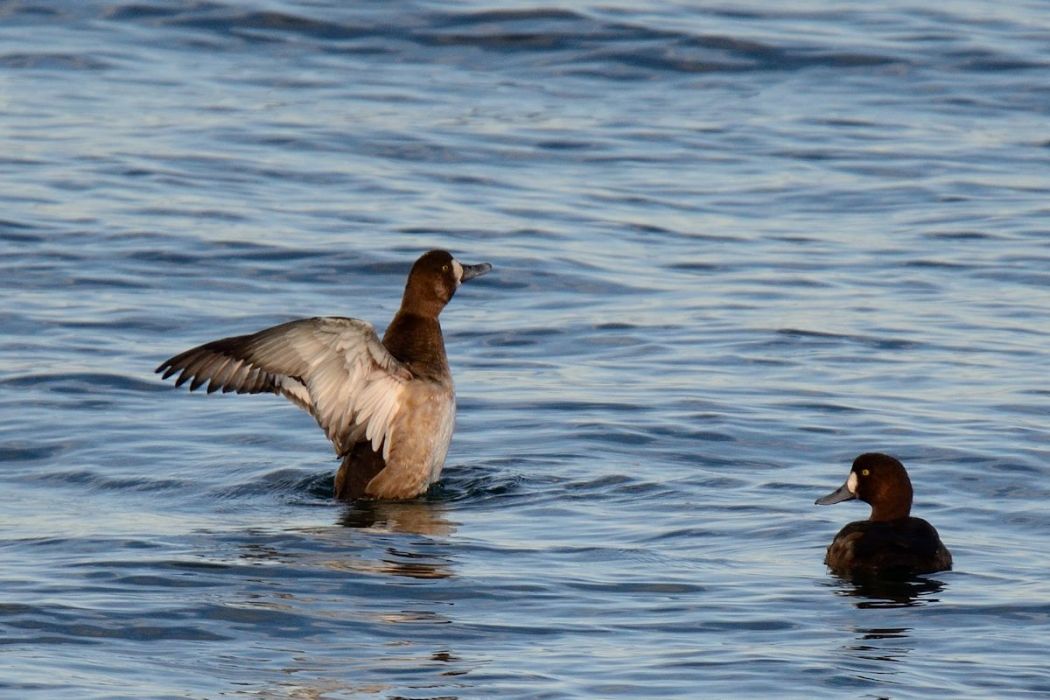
(335, 368)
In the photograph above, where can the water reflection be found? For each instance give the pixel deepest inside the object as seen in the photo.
(882, 633)
(878, 654)
(415, 558)
(411, 517)
(387, 621)
(882, 592)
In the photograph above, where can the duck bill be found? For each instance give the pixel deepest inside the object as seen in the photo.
(842, 493)
(472, 271)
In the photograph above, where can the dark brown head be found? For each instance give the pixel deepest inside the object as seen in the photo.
(879, 480)
(434, 278)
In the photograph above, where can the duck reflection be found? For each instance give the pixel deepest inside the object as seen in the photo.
(410, 517)
(416, 559)
(877, 653)
(381, 625)
(883, 592)
(881, 633)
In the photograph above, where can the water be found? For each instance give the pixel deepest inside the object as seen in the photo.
(734, 248)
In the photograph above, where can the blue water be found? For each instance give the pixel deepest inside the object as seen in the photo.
(734, 247)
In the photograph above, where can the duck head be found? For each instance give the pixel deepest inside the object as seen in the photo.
(434, 279)
(880, 481)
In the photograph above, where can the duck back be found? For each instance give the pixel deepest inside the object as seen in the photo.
(888, 547)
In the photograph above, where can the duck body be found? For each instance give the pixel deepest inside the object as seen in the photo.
(388, 406)
(891, 542)
(888, 547)
(424, 423)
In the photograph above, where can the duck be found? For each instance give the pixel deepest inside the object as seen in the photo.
(387, 406)
(891, 541)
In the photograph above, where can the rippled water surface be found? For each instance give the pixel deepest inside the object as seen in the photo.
(734, 247)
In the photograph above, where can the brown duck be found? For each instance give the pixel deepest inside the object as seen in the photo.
(890, 541)
(387, 406)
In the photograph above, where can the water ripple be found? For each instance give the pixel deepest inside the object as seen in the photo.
(734, 247)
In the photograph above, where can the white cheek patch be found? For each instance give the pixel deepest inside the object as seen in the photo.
(457, 270)
(851, 483)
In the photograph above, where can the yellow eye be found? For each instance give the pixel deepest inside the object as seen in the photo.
(444, 268)
(865, 472)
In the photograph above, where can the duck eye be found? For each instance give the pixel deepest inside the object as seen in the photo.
(444, 268)
(865, 472)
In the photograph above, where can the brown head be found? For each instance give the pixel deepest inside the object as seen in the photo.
(879, 480)
(434, 278)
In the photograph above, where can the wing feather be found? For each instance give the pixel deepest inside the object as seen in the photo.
(335, 368)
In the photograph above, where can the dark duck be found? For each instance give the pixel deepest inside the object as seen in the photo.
(388, 406)
(890, 541)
